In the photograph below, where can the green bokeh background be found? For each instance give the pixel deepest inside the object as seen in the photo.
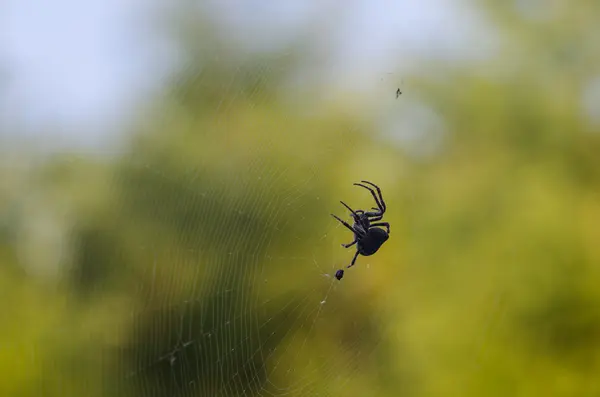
(194, 262)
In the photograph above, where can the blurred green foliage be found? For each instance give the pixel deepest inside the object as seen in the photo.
(193, 264)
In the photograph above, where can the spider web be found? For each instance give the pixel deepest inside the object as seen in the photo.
(237, 334)
(243, 300)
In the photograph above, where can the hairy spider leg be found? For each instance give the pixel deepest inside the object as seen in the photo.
(378, 192)
(353, 260)
(357, 231)
(384, 224)
(380, 205)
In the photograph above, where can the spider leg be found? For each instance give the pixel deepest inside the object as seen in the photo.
(349, 245)
(384, 224)
(378, 198)
(357, 231)
(358, 219)
(378, 192)
(380, 205)
(371, 214)
(355, 214)
(374, 216)
(353, 260)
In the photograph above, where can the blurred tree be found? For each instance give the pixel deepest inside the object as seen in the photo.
(507, 205)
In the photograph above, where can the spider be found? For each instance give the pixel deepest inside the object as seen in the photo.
(368, 237)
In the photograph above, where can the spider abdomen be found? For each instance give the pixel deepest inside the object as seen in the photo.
(374, 239)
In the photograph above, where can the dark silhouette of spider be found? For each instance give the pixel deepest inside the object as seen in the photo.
(368, 237)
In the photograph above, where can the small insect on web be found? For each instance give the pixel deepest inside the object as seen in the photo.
(368, 236)
(398, 92)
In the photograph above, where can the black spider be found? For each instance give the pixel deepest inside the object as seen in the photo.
(367, 236)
